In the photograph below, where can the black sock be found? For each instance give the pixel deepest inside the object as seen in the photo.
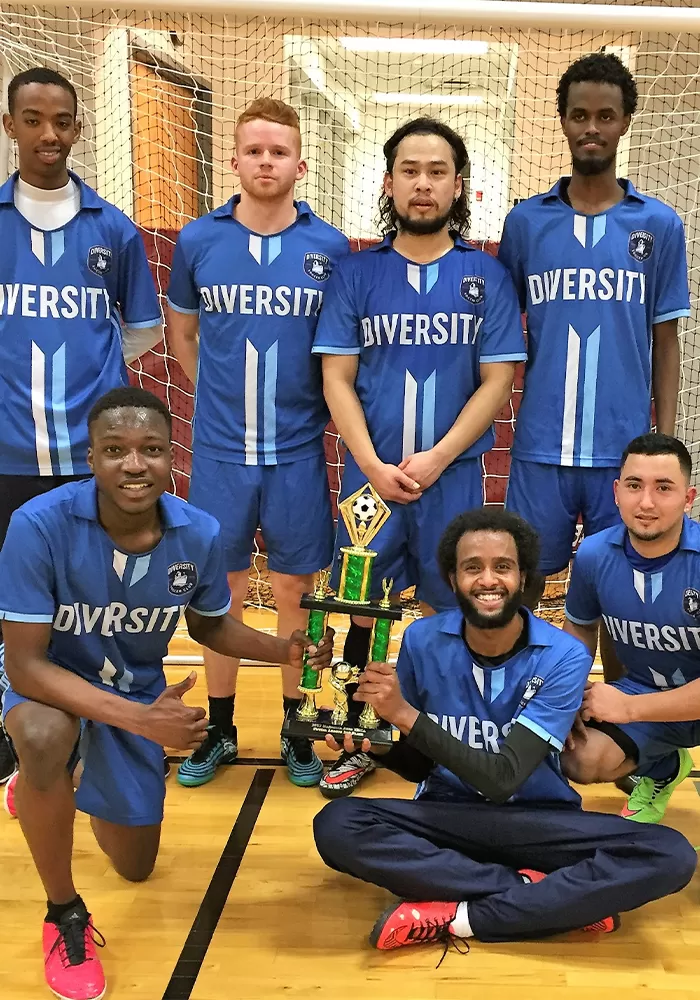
(221, 714)
(54, 911)
(290, 703)
(356, 648)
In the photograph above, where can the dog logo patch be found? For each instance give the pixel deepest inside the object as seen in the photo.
(99, 260)
(317, 266)
(182, 578)
(691, 602)
(641, 244)
(472, 289)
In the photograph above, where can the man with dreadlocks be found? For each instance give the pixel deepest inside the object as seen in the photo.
(419, 337)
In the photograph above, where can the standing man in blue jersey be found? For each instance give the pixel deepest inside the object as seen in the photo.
(245, 292)
(642, 578)
(495, 845)
(601, 273)
(77, 298)
(93, 579)
(419, 336)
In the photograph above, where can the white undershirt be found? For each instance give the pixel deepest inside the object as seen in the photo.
(49, 210)
(44, 209)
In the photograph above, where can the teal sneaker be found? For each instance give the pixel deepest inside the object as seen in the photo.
(648, 802)
(304, 767)
(200, 767)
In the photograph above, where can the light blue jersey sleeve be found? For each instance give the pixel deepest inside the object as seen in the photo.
(509, 254)
(672, 295)
(212, 596)
(502, 338)
(551, 711)
(26, 573)
(183, 294)
(582, 604)
(339, 329)
(138, 301)
(405, 671)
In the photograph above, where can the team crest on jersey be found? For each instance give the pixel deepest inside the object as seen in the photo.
(640, 245)
(531, 689)
(691, 602)
(472, 289)
(182, 578)
(317, 266)
(99, 260)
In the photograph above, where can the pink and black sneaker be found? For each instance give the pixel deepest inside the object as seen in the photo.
(71, 966)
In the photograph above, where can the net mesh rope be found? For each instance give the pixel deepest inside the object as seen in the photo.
(159, 94)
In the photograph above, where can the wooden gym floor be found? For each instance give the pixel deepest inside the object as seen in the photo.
(241, 906)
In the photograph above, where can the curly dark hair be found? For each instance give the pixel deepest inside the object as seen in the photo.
(524, 535)
(459, 217)
(599, 67)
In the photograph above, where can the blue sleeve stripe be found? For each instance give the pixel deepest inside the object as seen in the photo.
(539, 731)
(181, 309)
(211, 614)
(488, 359)
(678, 314)
(580, 621)
(144, 324)
(18, 616)
(321, 349)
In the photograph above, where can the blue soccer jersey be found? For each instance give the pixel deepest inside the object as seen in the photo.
(421, 332)
(653, 617)
(592, 287)
(113, 613)
(540, 687)
(64, 295)
(259, 392)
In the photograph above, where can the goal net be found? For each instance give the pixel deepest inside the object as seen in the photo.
(159, 94)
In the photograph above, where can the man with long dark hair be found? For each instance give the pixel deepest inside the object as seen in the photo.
(419, 337)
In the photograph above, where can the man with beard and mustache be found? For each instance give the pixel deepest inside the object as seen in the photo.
(641, 578)
(419, 336)
(495, 844)
(601, 272)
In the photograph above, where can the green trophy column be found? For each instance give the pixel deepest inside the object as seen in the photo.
(310, 681)
(380, 640)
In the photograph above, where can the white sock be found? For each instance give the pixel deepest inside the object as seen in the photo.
(460, 926)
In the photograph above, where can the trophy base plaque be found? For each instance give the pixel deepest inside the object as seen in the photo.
(382, 736)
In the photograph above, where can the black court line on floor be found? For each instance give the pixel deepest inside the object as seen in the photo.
(198, 940)
(246, 761)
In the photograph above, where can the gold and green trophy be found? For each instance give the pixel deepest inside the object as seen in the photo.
(364, 514)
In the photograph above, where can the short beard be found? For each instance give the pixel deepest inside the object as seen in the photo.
(646, 538)
(422, 227)
(475, 618)
(594, 166)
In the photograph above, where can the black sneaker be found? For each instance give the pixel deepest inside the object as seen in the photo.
(343, 777)
(201, 766)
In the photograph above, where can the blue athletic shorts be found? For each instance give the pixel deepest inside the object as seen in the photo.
(123, 778)
(291, 503)
(655, 740)
(551, 498)
(407, 544)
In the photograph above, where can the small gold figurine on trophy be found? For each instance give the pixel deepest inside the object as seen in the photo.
(342, 674)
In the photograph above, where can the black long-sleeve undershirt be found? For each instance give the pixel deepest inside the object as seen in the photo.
(495, 775)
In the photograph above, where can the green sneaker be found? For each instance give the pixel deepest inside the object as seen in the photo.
(648, 802)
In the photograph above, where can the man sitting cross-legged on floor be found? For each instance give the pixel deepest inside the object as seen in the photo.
(495, 846)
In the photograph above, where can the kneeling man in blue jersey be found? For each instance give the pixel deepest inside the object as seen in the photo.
(495, 845)
(77, 299)
(93, 578)
(642, 578)
(419, 336)
(245, 292)
(601, 272)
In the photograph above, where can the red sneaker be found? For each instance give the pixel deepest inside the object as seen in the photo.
(605, 926)
(412, 923)
(9, 796)
(71, 966)
(530, 875)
